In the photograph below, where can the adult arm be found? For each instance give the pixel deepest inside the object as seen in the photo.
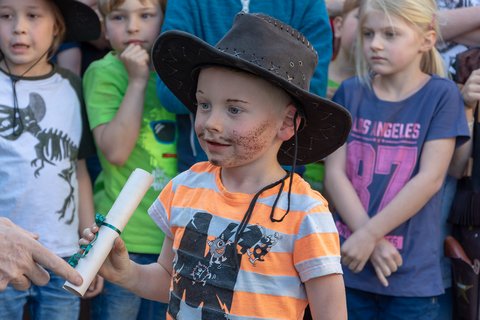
(458, 23)
(471, 96)
(326, 297)
(334, 7)
(22, 258)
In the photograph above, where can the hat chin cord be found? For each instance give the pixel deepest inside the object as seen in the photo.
(16, 109)
(281, 182)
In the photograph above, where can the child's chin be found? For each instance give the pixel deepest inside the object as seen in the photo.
(215, 162)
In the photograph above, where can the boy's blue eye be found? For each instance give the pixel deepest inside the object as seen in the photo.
(234, 110)
(116, 17)
(203, 106)
(147, 15)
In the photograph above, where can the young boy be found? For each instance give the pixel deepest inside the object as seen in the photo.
(131, 130)
(44, 140)
(245, 239)
(308, 16)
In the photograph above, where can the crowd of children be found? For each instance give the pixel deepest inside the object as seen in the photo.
(222, 102)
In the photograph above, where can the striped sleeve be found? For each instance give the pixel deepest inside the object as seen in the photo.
(317, 246)
(160, 212)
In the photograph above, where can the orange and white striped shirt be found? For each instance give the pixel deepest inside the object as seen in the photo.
(262, 276)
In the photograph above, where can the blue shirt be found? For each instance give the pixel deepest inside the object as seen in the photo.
(210, 20)
(383, 153)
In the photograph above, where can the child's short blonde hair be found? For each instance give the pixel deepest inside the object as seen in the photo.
(107, 6)
(420, 14)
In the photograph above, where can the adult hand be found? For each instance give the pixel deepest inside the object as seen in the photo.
(95, 287)
(22, 258)
(386, 260)
(471, 89)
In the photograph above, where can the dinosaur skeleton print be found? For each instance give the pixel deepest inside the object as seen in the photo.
(52, 146)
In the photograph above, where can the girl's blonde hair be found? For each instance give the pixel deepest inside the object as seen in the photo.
(420, 14)
(107, 6)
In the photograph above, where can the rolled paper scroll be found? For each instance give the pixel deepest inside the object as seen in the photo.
(127, 201)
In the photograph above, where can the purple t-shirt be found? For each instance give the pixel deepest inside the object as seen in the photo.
(383, 154)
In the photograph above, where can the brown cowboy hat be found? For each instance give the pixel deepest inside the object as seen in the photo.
(272, 50)
(81, 21)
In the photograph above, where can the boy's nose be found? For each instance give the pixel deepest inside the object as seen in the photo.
(133, 25)
(19, 25)
(213, 122)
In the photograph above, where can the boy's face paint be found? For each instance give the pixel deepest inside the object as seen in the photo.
(27, 30)
(238, 118)
(133, 23)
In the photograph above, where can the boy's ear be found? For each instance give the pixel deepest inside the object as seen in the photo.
(429, 40)
(287, 131)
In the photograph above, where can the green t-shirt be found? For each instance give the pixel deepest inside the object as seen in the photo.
(105, 83)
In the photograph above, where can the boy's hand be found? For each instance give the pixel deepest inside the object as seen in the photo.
(385, 260)
(95, 287)
(137, 62)
(356, 250)
(117, 265)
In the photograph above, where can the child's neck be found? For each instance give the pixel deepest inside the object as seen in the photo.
(38, 69)
(248, 180)
(342, 68)
(399, 86)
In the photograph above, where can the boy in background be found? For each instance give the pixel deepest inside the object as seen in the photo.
(131, 130)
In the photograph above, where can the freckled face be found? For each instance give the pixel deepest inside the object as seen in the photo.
(238, 117)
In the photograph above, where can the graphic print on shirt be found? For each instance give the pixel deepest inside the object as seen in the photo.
(381, 155)
(163, 133)
(205, 270)
(53, 145)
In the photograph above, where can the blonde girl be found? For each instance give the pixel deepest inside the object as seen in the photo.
(385, 181)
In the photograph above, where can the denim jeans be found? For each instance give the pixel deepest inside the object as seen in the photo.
(49, 302)
(363, 305)
(117, 303)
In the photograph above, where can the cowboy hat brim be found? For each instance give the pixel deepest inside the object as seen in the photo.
(178, 56)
